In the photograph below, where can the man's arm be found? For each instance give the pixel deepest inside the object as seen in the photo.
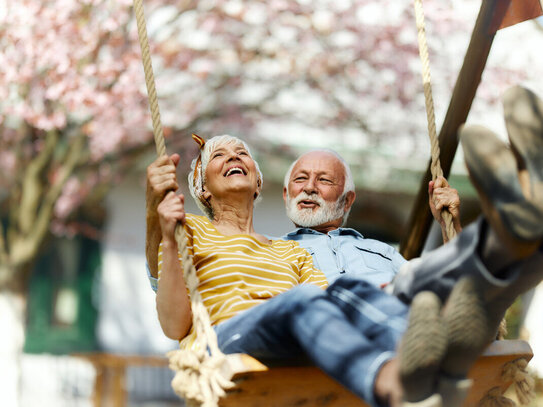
(161, 179)
(442, 196)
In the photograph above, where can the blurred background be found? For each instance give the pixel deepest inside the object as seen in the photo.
(79, 325)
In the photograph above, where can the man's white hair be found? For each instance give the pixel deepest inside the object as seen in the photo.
(348, 185)
(196, 176)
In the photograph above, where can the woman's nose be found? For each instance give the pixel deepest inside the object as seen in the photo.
(233, 156)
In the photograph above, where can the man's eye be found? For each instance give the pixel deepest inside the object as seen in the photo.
(326, 180)
(243, 153)
(298, 179)
(216, 155)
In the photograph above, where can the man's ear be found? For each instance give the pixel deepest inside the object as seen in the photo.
(285, 194)
(349, 200)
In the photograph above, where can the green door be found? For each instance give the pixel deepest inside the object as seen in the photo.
(61, 310)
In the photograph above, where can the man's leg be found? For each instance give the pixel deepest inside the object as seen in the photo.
(510, 184)
(439, 270)
(502, 255)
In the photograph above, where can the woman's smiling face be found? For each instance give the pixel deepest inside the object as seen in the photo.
(230, 170)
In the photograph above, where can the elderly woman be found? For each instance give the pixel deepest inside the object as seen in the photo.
(264, 297)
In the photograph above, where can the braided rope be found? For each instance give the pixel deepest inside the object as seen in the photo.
(435, 165)
(514, 371)
(494, 398)
(524, 383)
(201, 373)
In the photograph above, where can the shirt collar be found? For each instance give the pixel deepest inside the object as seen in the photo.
(335, 232)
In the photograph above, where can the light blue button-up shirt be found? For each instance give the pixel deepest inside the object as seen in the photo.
(346, 251)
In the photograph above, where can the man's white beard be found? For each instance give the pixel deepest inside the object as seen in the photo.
(311, 217)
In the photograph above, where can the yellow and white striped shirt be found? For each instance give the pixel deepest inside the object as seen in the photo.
(238, 272)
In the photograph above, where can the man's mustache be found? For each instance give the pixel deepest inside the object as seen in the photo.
(309, 197)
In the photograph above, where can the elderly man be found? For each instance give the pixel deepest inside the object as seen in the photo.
(319, 194)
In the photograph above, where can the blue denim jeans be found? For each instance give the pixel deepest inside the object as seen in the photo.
(349, 331)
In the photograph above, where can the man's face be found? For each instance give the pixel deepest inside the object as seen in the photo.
(314, 195)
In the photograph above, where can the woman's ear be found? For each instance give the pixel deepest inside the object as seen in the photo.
(258, 187)
(206, 194)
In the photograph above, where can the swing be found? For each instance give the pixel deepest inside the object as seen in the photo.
(205, 374)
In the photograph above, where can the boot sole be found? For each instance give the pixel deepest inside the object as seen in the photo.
(493, 171)
(422, 348)
(523, 112)
(469, 330)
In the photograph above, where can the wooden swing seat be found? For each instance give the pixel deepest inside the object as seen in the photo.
(295, 384)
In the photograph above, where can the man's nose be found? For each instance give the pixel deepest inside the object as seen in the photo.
(310, 186)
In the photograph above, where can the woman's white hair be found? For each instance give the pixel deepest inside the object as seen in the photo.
(196, 176)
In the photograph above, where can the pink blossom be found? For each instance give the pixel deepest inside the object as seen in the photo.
(69, 199)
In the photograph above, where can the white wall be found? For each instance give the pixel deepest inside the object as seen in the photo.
(127, 315)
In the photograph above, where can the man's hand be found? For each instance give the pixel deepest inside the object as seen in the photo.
(443, 197)
(160, 180)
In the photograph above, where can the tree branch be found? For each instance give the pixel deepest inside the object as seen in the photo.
(32, 185)
(3, 250)
(26, 246)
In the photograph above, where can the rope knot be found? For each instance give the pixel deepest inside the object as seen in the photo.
(201, 381)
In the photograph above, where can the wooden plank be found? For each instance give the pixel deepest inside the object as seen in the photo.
(521, 10)
(491, 13)
(289, 386)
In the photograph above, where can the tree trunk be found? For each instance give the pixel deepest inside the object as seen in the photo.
(12, 317)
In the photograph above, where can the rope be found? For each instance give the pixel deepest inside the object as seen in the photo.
(435, 165)
(494, 398)
(514, 371)
(502, 330)
(201, 373)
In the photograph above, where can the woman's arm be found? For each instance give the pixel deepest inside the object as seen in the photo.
(160, 179)
(172, 301)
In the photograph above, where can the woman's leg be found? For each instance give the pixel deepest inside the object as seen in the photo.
(351, 333)
(382, 317)
(330, 327)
